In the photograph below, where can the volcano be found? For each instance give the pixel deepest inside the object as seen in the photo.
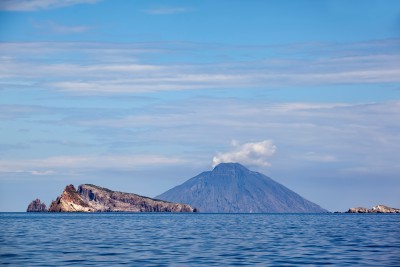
(231, 187)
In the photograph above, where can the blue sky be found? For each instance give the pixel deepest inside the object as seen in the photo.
(139, 96)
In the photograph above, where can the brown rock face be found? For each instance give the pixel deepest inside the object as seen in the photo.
(375, 209)
(69, 201)
(358, 210)
(384, 209)
(36, 206)
(91, 198)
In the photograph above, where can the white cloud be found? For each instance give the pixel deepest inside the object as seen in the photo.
(36, 172)
(256, 153)
(52, 165)
(318, 157)
(53, 27)
(303, 106)
(32, 5)
(126, 69)
(167, 10)
(57, 28)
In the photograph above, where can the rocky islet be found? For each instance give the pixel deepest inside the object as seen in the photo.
(36, 206)
(92, 198)
(374, 209)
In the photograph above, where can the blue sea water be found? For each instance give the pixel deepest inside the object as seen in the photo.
(160, 239)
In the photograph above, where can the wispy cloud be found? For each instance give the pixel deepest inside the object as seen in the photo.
(4, 148)
(253, 153)
(52, 165)
(18, 111)
(311, 137)
(167, 10)
(108, 70)
(53, 27)
(321, 131)
(33, 172)
(307, 134)
(33, 5)
(318, 157)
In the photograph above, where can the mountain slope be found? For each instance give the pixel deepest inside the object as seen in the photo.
(231, 187)
(92, 198)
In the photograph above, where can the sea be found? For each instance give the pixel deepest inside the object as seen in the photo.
(199, 239)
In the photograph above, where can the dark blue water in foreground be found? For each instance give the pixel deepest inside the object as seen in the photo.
(106, 239)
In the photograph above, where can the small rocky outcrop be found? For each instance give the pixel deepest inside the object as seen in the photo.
(36, 206)
(358, 210)
(375, 209)
(92, 198)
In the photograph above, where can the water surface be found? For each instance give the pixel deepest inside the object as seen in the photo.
(161, 239)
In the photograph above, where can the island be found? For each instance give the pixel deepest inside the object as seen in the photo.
(37, 206)
(92, 198)
(374, 209)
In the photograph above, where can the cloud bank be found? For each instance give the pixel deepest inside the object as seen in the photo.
(256, 153)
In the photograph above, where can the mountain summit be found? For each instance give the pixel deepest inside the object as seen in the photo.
(231, 187)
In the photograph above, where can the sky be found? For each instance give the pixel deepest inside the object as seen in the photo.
(139, 96)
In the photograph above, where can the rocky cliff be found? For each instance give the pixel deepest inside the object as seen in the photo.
(375, 209)
(231, 187)
(70, 201)
(91, 198)
(36, 206)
